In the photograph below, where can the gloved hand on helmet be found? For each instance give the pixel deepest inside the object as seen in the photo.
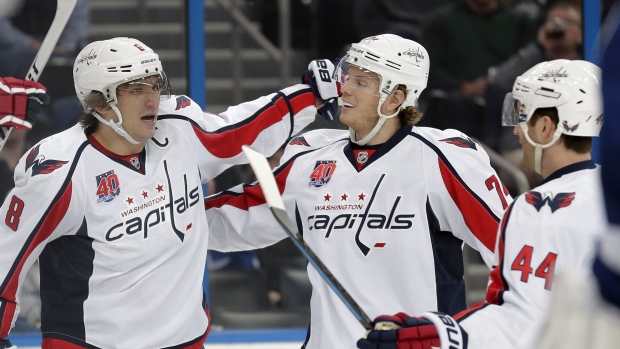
(319, 77)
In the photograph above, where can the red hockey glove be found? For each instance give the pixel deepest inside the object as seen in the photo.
(324, 87)
(404, 332)
(20, 102)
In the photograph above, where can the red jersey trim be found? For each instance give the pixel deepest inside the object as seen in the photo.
(252, 194)
(477, 218)
(227, 144)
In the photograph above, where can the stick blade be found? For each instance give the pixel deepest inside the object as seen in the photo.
(267, 182)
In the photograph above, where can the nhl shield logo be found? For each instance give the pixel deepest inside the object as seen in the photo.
(135, 162)
(362, 157)
(322, 173)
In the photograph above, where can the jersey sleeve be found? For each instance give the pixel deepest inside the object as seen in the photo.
(239, 218)
(42, 206)
(264, 124)
(312, 140)
(502, 321)
(466, 194)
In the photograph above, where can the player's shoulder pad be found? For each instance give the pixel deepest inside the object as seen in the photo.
(451, 143)
(314, 139)
(180, 105)
(52, 156)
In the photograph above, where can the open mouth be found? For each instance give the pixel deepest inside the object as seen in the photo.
(148, 118)
(346, 105)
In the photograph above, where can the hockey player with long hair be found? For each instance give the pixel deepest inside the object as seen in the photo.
(113, 208)
(556, 109)
(386, 206)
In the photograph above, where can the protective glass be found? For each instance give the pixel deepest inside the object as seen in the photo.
(353, 76)
(513, 111)
(150, 88)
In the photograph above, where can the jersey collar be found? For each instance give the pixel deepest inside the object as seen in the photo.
(578, 166)
(381, 149)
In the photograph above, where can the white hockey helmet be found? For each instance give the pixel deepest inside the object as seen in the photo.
(397, 61)
(573, 87)
(103, 65)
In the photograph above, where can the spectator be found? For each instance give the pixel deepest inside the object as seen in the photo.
(400, 17)
(464, 40)
(21, 35)
(559, 37)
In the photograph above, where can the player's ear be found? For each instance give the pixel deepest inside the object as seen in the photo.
(393, 102)
(547, 128)
(398, 97)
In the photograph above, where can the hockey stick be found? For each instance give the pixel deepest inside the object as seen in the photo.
(64, 8)
(272, 195)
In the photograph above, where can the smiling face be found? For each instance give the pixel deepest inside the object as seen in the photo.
(360, 98)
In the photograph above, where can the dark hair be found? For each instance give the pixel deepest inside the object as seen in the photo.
(410, 115)
(93, 100)
(580, 145)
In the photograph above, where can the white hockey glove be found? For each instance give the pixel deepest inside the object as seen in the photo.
(20, 102)
(429, 331)
(319, 77)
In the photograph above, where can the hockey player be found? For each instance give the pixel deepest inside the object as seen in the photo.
(585, 309)
(113, 206)
(556, 108)
(386, 206)
(20, 102)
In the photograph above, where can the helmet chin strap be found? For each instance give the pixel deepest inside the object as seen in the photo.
(538, 148)
(116, 126)
(382, 119)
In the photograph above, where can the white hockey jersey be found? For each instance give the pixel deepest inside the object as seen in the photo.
(122, 250)
(550, 229)
(391, 233)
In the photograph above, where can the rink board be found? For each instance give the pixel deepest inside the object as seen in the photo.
(251, 339)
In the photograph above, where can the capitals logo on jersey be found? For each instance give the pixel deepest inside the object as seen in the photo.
(39, 164)
(299, 141)
(461, 142)
(183, 102)
(322, 173)
(108, 186)
(556, 202)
